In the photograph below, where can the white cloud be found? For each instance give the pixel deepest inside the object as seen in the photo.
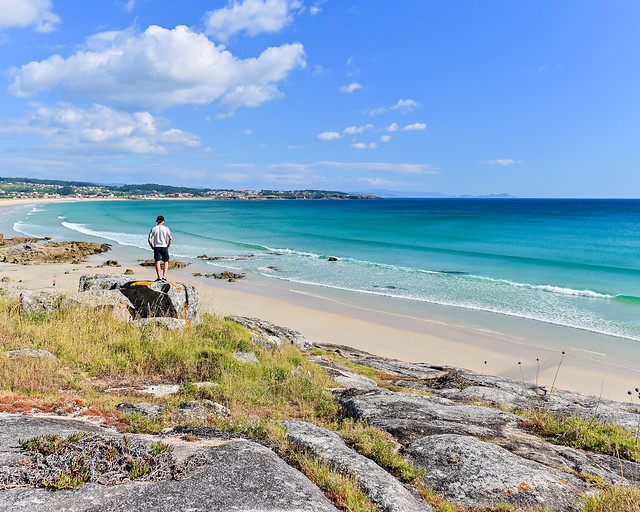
(415, 127)
(314, 10)
(361, 145)
(394, 127)
(400, 168)
(101, 129)
(252, 16)
(248, 132)
(161, 68)
(503, 161)
(352, 130)
(24, 13)
(128, 6)
(351, 87)
(404, 106)
(325, 136)
(385, 138)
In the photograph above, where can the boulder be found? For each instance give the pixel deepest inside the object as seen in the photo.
(170, 324)
(43, 301)
(163, 299)
(271, 335)
(112, 300)
(479, 474)
(34, 353)
(190, 412)
(409, 417)
(382, 488)
(246, 357)
(151, 411)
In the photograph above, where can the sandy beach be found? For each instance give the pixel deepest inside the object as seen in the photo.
(328, 321)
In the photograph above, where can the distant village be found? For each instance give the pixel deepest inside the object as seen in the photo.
(26, 188)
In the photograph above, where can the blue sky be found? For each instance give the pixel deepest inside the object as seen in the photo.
(533, 98)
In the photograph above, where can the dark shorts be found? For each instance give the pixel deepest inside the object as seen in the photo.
(161, 254)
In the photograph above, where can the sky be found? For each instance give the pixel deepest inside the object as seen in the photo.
(535, 98)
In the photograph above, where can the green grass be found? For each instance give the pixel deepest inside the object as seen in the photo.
(587, 434)
(92, 347)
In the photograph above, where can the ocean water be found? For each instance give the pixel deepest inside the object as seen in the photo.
(573, 264)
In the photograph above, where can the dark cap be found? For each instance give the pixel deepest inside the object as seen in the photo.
(160, 218)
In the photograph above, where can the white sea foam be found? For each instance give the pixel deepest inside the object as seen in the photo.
(564, 321)
(20, 227)
(561, 290)
(129, 239)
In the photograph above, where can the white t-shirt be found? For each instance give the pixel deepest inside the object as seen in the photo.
(160, 236)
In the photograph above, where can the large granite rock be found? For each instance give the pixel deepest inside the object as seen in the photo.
(102, 282)
(112, 300)
(239, 476)
(381, 487)
(149, 299)
(409, 417)
(479, 474)
(163, 299)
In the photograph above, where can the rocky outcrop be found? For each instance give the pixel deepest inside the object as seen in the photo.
(235, 475)
(34, 253)
(166, 304)
(270, 335)
(382, 488)
(479, 474)
(409, 417)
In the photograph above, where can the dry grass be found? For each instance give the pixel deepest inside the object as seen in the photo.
(613, 499)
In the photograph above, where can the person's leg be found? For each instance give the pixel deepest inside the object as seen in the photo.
(158, 263)
(165, 269)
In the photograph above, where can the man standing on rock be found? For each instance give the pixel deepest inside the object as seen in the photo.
(159, 240)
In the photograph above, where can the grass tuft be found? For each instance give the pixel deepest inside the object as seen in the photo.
(586, 434)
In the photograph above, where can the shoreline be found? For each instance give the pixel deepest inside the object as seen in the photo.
(338, 322)
(383, 334)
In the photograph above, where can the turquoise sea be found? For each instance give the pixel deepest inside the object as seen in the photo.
(478, 263)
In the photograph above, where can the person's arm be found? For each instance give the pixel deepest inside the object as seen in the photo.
(149, 240)
(170, 240)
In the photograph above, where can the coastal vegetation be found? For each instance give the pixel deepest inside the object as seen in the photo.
(95, 354)
(17, 188)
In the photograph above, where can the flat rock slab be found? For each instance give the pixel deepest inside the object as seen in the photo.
(410, 417)
(242, 476)
(344, 377)
(35, 353)
(382, 488)
(474, 473)
(271, 335)
(464, 385)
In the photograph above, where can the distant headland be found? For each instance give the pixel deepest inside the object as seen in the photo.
(30, 188)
